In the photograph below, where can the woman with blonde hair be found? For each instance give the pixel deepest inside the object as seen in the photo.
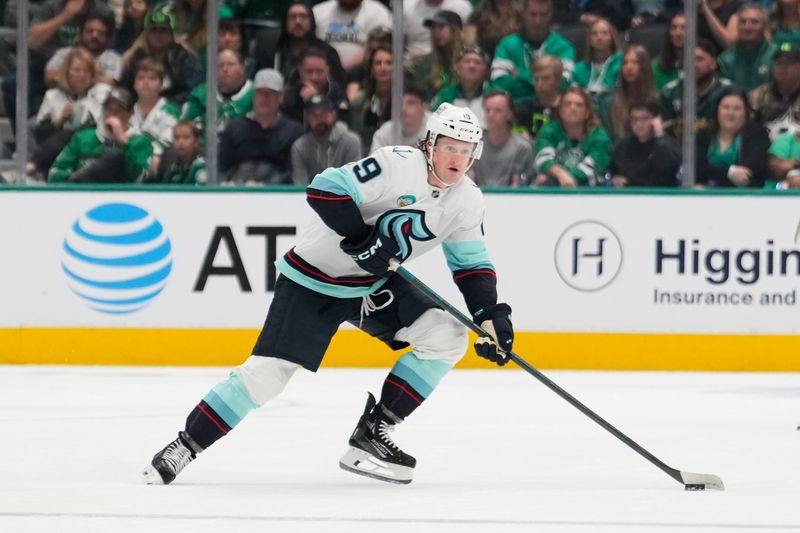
(573, 149)
(635, 84)
(75, 103)
(598, 72)
(491, 21)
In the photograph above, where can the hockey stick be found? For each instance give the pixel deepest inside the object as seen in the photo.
(689, 480)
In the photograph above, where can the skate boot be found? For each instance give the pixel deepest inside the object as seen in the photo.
(169, 462)
(372, 452)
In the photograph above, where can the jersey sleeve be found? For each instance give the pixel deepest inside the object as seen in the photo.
(468, 259)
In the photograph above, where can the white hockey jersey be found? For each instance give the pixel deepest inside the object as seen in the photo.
(391, 189)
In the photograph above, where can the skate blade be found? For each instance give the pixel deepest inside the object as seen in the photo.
(364, 464)
(150, 476)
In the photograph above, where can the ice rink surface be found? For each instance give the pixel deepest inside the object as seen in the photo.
(497, 452)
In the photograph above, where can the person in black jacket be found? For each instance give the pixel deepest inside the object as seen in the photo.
(645, 158)
(733, 152)
(299, 33)
(313, 77)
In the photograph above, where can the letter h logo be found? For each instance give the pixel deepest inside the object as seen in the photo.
(577, 255)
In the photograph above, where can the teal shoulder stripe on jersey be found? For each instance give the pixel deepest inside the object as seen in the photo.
(337, 181)
(422, 374)
(466, 255)
(329, 289)
(230, 400)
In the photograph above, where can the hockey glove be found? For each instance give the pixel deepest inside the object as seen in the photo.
(373, 252)
(496, 321)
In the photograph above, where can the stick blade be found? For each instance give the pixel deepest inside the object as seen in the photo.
(692, 481)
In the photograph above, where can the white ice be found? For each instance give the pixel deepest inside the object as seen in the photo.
(497, 452)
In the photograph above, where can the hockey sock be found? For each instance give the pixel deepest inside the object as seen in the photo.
(223, 407)
(410, 382)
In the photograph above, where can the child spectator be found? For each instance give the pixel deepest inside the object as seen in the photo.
(74, 104)
(645, 158)
(182, 162)
(111, 152)
(153, 115)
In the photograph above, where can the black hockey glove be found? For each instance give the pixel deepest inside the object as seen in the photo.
(496, 321)
(373, 252)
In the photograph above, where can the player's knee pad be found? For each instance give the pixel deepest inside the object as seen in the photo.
(265, 377)
(436, 335)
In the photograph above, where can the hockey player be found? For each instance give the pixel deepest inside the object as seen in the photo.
(399, 202)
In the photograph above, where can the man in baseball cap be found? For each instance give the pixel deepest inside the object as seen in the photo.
(268, 78)
(445, 18)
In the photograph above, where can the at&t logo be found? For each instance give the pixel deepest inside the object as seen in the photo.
(588, 256)
(117, 257)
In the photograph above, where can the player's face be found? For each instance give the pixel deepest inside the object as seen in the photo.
(451, 158)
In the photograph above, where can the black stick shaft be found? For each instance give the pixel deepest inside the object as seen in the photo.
(461, 317)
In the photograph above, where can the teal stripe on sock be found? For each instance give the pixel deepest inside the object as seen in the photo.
(422, 374)
(230, 400)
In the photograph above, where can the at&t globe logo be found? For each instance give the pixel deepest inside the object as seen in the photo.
(117, 257)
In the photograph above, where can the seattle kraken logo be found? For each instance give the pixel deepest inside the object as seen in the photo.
(402, 225)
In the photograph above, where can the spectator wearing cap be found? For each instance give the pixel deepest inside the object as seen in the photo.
(436, 69)
(54, 24)
(255, 149)
(414, 117)
(417, 15)
(777, 103)
(507, 159)
(344, 24)
(747, 63)
(327, 143)
(512, 66)
(74, 104)
(112, 152)
(95, 33)
(234, 92)
(314, 78)
(158, 42)
(298, 34)
(472, 71)
(709, 88)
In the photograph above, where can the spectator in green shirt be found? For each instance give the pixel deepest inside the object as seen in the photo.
(784, 162)
(598, 72)
(667, 64)
(747, 63)
(784, 22)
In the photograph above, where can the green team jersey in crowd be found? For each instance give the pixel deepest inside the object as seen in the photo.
(597, 78)
(706, 105)
(237, 105)
(747, 68)
(192, 174)
(785, 146)
(660, 76)
(451, 93)
(86, 145)
(587, 160)
(786, 36)
(512, 67)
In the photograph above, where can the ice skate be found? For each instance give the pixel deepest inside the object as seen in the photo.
(372, 452)
(169, 462)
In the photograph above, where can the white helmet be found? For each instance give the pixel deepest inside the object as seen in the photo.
(457, 122)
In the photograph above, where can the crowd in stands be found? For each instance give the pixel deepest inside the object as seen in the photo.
(571, 93)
